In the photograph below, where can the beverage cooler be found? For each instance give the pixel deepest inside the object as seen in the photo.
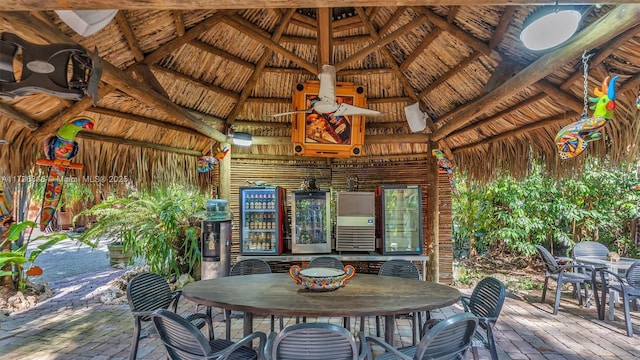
(399, 220)
(311, 222)
(262, 215)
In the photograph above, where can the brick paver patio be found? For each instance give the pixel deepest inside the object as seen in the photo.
(73, 324)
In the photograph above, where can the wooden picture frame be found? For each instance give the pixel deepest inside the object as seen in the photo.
(322, 135)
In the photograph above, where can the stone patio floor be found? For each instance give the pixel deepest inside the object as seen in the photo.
(73, 324)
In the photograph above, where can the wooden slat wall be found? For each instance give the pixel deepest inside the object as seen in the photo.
(290, 175)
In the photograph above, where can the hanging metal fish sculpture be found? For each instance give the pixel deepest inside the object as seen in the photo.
(445, 164)
(206, 163)
(574, 138)
(59, 150)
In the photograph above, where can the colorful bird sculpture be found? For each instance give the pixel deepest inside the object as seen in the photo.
(206, 163)
(445, 164)
(574, 138)
(59, 150)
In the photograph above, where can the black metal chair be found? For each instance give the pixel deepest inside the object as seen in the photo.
(404, 269)
(628, 286)
(149, 292)
(326, 262)
(313, 341)
(590, 248)
(562, 274)
(485, 303)
(448, 339)
(183, 341)
(249, 267)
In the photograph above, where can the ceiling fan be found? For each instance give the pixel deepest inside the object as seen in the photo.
(325, 102)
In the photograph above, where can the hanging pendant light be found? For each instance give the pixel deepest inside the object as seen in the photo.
(549, 27)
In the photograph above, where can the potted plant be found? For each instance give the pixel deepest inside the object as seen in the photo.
(160, 226)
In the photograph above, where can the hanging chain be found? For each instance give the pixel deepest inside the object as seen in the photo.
(585, 88)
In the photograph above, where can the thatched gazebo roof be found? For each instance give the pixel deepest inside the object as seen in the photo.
(179, 73)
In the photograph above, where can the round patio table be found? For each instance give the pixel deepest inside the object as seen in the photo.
(363, 295)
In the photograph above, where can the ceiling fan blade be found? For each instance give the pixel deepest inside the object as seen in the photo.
(347, 110)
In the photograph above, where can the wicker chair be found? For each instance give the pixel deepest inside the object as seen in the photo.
(404, 269)
(149, 292)
(314, 341)
(448, 339)
(628, 286)
(562, 275)
(183, 341)
(249, 267)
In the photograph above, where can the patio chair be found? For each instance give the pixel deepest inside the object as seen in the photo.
(149, 292)
(249, 267)
(183, 341)
(404, 269)
(589, 248)
(448, 339)
(315, 341)
(485, 302)
(562, 274)
(628, 286)
(326, 262)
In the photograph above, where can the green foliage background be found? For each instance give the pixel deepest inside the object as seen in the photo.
(510, 215)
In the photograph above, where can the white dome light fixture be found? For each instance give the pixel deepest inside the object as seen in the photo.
(549, 27)
(86, 22)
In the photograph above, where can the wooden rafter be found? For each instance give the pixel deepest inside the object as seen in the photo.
(449, 74)
(417, 52)
(142, 119)
(502, 26)
(144, 74)
(126, 30)
(325, 45)
(221, 53)
(618, 20)
(122, 141)
(251, 30)
(262, 62)
(18, 117)
(193, 81)
(380, 42)
(179, 21)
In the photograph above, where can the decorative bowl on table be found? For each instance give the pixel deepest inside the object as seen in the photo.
(322, 279)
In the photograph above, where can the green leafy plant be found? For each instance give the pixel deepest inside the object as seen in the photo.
(18, 258)
(160, 226)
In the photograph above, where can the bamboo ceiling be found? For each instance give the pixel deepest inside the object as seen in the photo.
(178, 75)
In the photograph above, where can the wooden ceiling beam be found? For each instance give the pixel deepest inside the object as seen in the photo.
(451, 73)
(18, 117)
(325, 38)
(144, 74)
(303, 40)
(142, 119)
(254, 32)
(417, 52)
(380, 42)
(502, 26)
(392, 20)
(618, 20)
(179, 21)
(453, 12)
(562, 98)
(129, 37)
(519, 131)
(221, 53)
(122, 141)
(262, 62)
(195, 82)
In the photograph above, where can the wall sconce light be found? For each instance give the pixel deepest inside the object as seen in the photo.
(241, 138)
(550, 26)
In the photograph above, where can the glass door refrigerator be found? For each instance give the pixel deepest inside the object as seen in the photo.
(399, 220)
(311, 222)
(262, 215)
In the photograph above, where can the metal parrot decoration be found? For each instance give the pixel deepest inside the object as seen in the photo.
(206, 163)
(445, 164)
(59, 150)
(574, 138)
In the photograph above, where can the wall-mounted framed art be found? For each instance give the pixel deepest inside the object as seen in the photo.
(323, 135)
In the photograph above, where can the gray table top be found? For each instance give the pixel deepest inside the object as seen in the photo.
(363, 295)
